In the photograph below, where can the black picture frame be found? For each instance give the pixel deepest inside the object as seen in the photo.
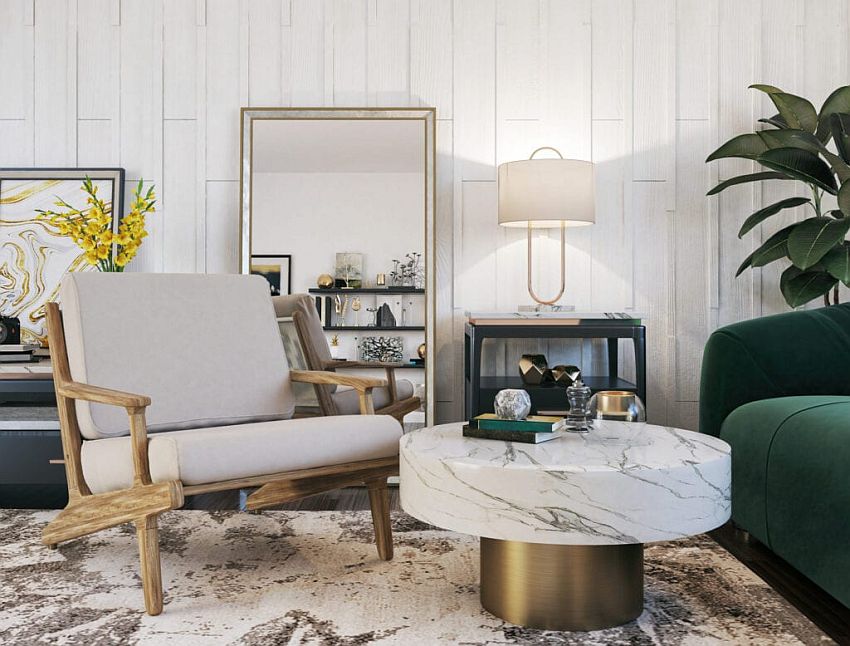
(23, 235)
(276, 279)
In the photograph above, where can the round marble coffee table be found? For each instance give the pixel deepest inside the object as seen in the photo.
(563, 523)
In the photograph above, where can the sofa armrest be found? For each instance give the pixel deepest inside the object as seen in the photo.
(135, 405)
(363, 385)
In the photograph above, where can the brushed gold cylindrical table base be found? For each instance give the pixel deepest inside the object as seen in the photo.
(562, 587)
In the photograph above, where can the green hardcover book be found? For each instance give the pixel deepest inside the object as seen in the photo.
(533, 423)
(524, 437)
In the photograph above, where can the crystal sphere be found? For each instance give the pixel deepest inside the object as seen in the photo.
(512, 403)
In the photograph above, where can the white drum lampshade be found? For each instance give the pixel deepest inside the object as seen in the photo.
(545, 193)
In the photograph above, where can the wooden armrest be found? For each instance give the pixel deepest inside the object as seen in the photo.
(87, 392)
(361, 384)
(359, 365)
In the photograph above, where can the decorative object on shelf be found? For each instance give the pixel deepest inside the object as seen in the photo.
(795, 149)
(534, 369)
(35, 253)
(565, 375)
(355, 306)
(374, 312)
(408, 272)
(385, 316)
(388, 349)
(349, 270)
(381, 280)
(557, 193)
(277, 269)
(340, 309)
(335, 340)
(512, 403)
(578, 417)
(620, 405)
(421, 351)
(10, 330)
(325, 281)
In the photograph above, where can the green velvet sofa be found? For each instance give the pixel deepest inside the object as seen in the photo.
(777, 389)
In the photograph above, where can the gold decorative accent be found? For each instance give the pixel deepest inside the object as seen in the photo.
(325, 281)
(614, 402)
(421, 351)
(562, 587)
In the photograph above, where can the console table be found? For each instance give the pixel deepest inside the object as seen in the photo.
(481, 389)
(32, 472)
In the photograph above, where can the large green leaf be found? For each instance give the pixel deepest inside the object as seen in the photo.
(742, 179)
(800, 287)
(811, 240)
(795, 110)
(837, 262)
(838, 165)
(840, 124)
(748, 146)
(774, 248)
(844, 199)
(762, 214)
(801, 165)
(837, 102)
(791, 138)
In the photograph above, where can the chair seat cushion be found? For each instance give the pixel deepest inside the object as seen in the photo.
(348, 401)
(205, 455)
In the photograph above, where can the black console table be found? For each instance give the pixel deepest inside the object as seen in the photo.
(481, 389)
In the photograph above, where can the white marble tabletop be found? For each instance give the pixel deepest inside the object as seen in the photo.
(621, 483)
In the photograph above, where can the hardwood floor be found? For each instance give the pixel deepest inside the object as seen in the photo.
(827, 613)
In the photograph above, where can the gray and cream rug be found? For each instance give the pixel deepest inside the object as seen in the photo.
(314, 578)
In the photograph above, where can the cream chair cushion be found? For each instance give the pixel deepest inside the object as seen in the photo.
(205, 348)
(348, 401)
(203, 455)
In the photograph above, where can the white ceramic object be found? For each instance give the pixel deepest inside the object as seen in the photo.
(512, 403)
(621, 483)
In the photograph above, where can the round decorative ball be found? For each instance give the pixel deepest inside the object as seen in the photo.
(512, 403)
(421, 351)
(325, 281)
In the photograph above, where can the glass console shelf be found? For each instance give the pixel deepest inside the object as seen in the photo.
(374, 328)
(367, 290)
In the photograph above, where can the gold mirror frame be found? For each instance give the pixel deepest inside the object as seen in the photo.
(428, 117)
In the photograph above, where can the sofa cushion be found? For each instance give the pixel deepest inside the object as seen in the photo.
(348, 401)
(204, 455)
(791, 482)
(205, 348)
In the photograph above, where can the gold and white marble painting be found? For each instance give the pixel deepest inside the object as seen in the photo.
(33, 255)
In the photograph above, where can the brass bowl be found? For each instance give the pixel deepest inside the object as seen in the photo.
(621, 405)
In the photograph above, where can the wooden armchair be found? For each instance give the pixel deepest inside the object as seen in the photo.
(219, 414)
(395, 399)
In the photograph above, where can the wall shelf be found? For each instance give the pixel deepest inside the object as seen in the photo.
(373, 328)
(366, 290)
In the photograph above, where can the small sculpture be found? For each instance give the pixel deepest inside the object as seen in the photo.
(325, 281)
(421, 351)
(512, 403)
(385, 318)
(578, 418)
(566, 375)
(534, 370)
(356, 305)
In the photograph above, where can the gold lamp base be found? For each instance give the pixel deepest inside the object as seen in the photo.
(562, 587)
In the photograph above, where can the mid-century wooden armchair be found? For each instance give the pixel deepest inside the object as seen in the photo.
(216, 414)
(395, 399)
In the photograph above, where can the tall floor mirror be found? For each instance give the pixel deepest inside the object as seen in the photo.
(339, 204)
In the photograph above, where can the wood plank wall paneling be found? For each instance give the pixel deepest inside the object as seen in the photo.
(644, 88)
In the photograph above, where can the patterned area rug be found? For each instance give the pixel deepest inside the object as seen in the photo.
(314, 578)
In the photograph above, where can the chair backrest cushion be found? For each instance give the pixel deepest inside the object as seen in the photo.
(205, 348)
(286, 306)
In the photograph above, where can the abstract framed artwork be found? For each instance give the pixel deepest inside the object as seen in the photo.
(275, 269)
(34, 256)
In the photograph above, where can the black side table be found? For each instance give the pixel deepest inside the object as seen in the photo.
(481, 390)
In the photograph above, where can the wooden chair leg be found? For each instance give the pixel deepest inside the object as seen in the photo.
(148, 535)
(379, 501)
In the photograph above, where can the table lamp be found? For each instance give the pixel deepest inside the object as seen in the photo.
(546, 193)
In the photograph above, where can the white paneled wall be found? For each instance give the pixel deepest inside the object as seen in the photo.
(644, 88)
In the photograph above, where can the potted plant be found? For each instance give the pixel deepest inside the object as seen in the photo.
(91, 227)
(795, 145)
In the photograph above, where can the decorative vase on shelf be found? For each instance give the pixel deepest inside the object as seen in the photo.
(619, 405)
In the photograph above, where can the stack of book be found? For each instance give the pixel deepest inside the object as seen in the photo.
(534, 429)
(18, 352)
